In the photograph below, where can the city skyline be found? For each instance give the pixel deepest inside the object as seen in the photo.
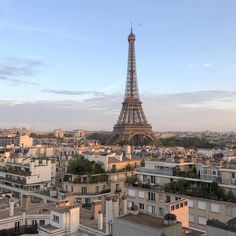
(66, 68)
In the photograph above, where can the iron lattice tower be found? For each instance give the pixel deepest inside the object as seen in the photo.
(132, 121)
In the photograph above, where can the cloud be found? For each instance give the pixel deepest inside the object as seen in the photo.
(73, 92)
(207, 65)
(200, 110)
(13, 69)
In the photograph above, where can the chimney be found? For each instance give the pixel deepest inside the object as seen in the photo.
(26, 202)
(116, 206)
(11, 207)
(109, 215)
(100, 220)
(95, 208)
(23, 218)
(124, 205)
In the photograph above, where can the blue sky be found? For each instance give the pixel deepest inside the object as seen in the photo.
(69, 58)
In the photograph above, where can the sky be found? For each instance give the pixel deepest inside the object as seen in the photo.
(63, 63)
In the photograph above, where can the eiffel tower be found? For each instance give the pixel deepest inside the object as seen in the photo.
(132, 121)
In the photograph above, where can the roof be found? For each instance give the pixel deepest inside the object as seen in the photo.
(33, 209)
(146, 220)
(157, 223)
(85, 220)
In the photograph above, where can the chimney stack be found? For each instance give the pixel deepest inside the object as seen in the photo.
(124, 205)
(96, 207)
(11, 207)
(109, 214)
(26, 202)
(100, 220)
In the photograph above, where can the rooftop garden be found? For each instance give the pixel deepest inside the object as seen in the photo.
(191, 173)
(82, 166)
(88, 179)
(15, 170)
(200, 189)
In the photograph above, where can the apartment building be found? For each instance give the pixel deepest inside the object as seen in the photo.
(27, 173)
(16, 140)
(96, 186)
(148, 193)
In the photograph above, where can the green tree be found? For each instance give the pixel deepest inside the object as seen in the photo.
(80, 166)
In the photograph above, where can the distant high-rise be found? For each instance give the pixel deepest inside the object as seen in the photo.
(132, 121)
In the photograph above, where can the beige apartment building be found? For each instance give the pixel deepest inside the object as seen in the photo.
(147, 193)
(156, 202)
(97, 186)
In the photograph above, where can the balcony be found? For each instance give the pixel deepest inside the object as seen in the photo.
(85, 179)
(92, 193)
(147, 186)
(15, 171)
(13, 180)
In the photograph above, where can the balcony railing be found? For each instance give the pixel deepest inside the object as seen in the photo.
(148, 186)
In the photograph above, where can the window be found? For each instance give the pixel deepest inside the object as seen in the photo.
(55, 218)
(191, 218)
(153, 179)
(167, 199)
(151, 210)
(172, 208)
(97, 189)
(41, 222)
(201, 220)
(84, 179)
(144, 178)
(72, 188)
(141, 194)
(34, 222)
(117, 187)
(228, 210)
(161, 196)
(84, 190)
(161, 211)
(151, 196)
(232, 175)
(141, 206)
(190, 203)
(201, 205)
(131, 193)
(215, 207)
(87, 201)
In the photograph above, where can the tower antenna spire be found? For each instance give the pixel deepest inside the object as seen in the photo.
(131, 25)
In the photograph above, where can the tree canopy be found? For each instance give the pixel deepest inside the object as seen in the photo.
(188, 142)
(80, 166)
